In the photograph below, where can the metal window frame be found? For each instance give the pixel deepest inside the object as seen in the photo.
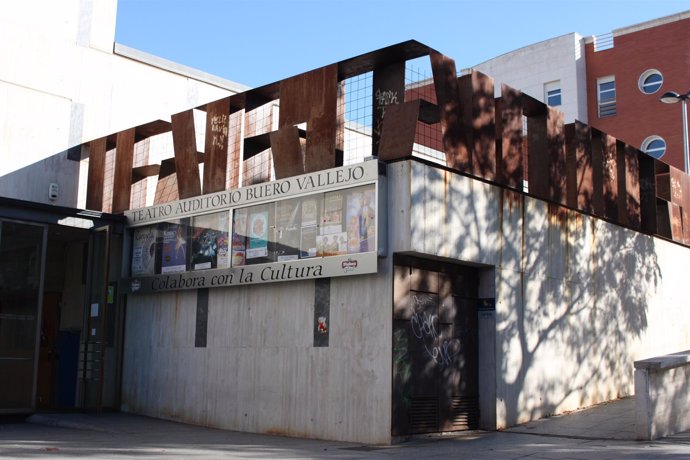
(606, 108)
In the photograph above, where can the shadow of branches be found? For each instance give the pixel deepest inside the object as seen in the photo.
(572, 291)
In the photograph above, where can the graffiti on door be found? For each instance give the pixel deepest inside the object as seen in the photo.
(423, 325)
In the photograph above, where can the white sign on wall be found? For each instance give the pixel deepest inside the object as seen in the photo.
(316, 225)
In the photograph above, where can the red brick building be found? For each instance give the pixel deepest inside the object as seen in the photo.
(628, 71)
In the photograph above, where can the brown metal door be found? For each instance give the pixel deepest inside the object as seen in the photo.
(435, 362)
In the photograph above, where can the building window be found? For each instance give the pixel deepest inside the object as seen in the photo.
(654, 146)
(552, 93)
(650, 81)
(606, 96)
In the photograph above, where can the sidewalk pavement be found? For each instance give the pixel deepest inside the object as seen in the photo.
(610, 420)
(605, 431)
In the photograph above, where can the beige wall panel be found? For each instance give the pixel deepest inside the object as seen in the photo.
(260, 372)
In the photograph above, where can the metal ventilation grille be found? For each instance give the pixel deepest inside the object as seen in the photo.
(464, 413)
(424, 414)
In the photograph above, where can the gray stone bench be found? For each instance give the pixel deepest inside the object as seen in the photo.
(662, 395)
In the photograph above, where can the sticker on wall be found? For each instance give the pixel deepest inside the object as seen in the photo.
(322, 311)
(321, 326)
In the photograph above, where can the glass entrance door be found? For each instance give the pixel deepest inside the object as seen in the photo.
(22, 259)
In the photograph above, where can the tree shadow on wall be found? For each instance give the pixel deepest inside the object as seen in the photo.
(582, 305)
(571, 291)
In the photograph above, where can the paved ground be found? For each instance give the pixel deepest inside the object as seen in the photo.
(604, 432)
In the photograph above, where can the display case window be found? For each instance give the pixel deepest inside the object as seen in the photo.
(320, 225)
(333, 223)
(209, 241)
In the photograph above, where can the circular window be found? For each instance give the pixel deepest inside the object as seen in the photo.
(654, 146)
(650, 81)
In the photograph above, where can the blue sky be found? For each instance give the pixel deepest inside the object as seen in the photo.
(255, 42)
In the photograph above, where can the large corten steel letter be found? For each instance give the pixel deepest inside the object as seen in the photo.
(312, 97)
(398, 131)
(538, 169)
(669, 185)
(685, 207)
(288, 155)
(94, 197)
(648, 220)
(446, 85)
(629, 174)
(579, 180)
(124, 157)
(166, 187)
(598, 141)
(476, 95)
(186, 160)
(555, 150)
(611, 191)
(510, 155)
(389, 90)
(669, 220)
(216, 145)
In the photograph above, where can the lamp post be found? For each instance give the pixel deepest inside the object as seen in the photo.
(671, 97)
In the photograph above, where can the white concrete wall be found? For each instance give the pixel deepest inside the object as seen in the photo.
(529, 68)
(260, 371)
(61, 85)
(578, 300)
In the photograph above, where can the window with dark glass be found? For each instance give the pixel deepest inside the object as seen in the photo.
(606, 97)
(654, 146)
(650, 81)
(552, 93)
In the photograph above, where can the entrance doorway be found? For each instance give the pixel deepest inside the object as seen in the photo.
(78, 352)
(435, 347)
(60, 313)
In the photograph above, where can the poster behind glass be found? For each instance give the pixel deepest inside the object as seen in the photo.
(174, 253)
(360, 218)
(326, 224)
(286, 239)
(321, 225)
(144, 250)
(209, 241)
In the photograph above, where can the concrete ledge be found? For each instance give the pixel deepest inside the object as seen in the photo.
(664, 362)
(662, 395)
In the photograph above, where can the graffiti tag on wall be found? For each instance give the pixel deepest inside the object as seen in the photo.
(423, 325)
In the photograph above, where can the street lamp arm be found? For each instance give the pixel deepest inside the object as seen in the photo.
(671, 97)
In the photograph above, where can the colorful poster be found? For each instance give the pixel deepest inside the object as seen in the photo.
(144, 251)
(205, 242)
(223, 256)
(239, 237)
(361, 221)
(308, 242)
(332, 215)
(258, 235)
(287, 230)
(174, 248)
(223, 259)
(331, 245)
(309, 212)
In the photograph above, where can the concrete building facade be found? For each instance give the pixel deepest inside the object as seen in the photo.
(69, 82)
(556, 66)
(260, 275)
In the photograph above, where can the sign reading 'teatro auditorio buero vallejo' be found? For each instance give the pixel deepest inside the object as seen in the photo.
(322, 224)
